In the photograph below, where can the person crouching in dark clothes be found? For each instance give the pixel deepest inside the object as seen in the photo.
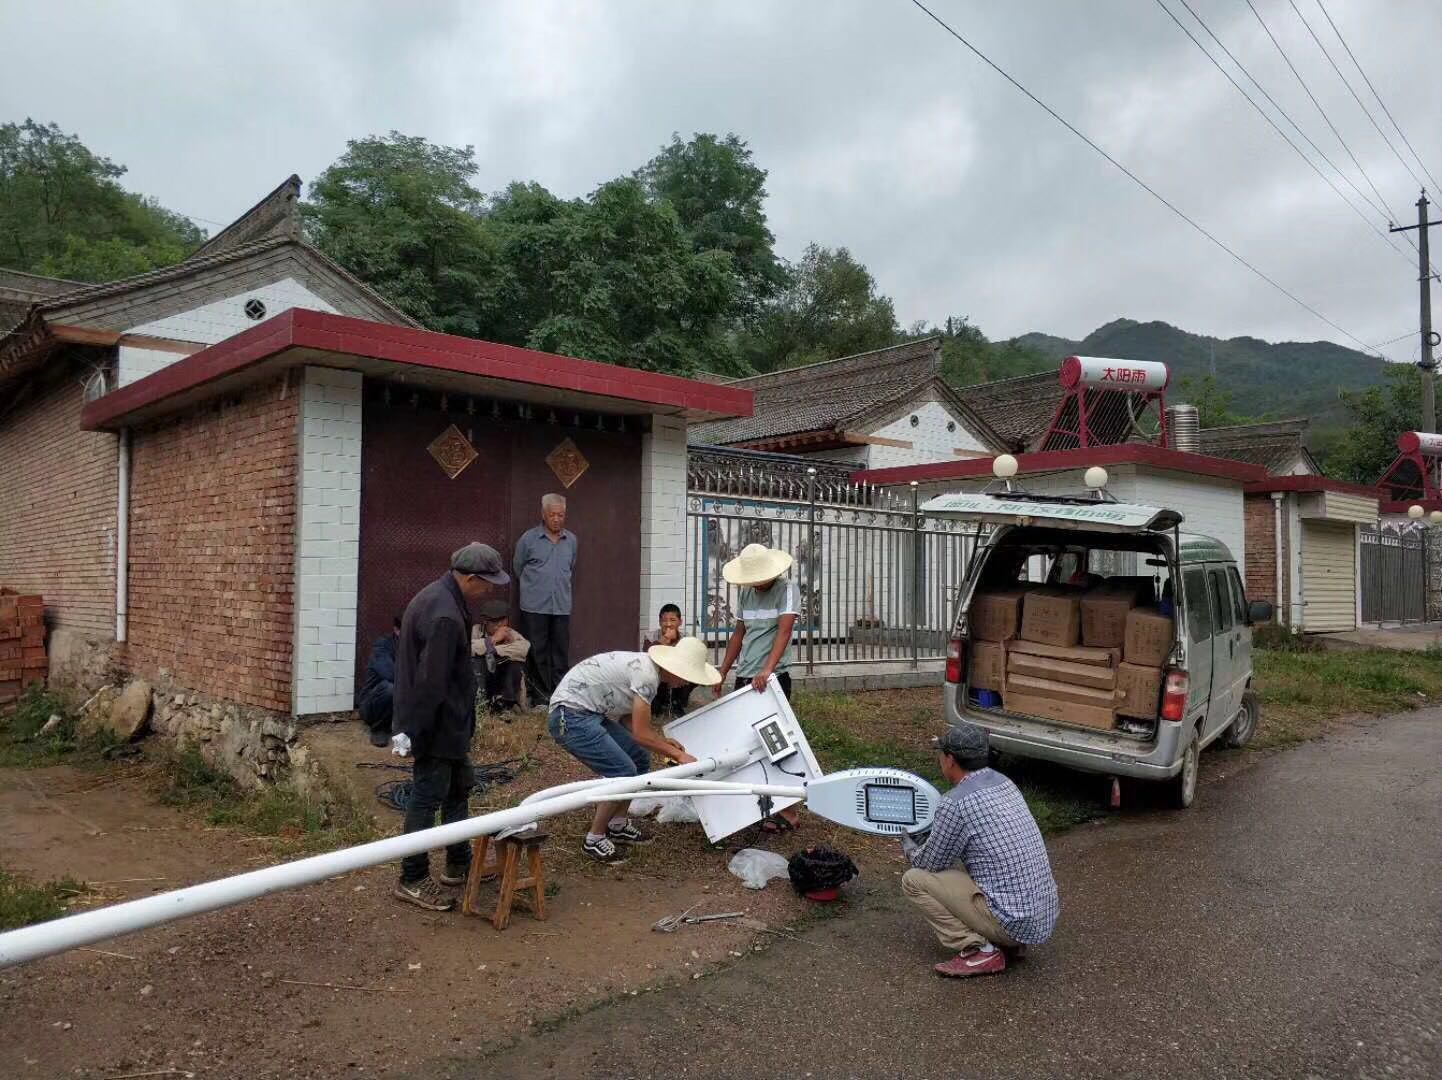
(378, 686)
(670, 701)
(500, 657)
(435, 714)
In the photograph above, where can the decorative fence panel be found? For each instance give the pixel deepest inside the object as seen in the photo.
(1394, 574)
(877, 579)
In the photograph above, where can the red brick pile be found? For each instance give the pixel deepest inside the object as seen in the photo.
(22, 644)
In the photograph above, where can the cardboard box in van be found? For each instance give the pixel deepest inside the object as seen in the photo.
(996, 615)
(1076, 654)
(1104, 616)
(1060, 691)
(1052, 616)
(1066, 712)
(1140, 689)
(1142, 586)
(1098, 676)
(988, 665)
(1150, 636)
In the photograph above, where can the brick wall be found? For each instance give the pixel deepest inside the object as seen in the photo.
(57, 510)
(1260, 523)
(212, 547)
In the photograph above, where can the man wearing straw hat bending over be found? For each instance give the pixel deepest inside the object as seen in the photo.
(601, 715)
(760, 646)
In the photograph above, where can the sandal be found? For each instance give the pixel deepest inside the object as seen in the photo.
(776, 825)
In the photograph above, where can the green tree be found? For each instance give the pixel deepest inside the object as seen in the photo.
(1378, 415)
(63, 212)
(613, 277)
(400, 213)
(718, 193)
(829, 307)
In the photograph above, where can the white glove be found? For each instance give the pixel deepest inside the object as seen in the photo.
(401, 745)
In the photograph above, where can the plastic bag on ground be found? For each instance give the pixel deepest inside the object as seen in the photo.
(756, 868)
(671, 811)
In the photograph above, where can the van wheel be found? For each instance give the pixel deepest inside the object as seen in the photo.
(1244, 724)
(1183, 786)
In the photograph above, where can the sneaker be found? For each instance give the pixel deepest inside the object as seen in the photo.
(454, 875)
(602, 850)
(627, 834)
(379, 738)
(424, 894)
(973, 962)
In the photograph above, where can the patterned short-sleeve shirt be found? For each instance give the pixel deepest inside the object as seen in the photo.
(608, 684)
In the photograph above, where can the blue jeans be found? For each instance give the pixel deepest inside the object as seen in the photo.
(598, 742)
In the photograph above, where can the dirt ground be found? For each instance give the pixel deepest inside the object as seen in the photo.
(230, 994)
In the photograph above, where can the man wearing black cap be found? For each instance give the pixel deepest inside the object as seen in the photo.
(500, 655)
(981, 876)
(435, 712)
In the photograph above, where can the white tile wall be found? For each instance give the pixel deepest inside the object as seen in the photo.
(328, 541)
(663, 519)
(930, 441)
(211, 323)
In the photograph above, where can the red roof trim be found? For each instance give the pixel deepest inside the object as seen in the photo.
(303, 329)
(1053, 460)
(1401, 506)
(1310, 483)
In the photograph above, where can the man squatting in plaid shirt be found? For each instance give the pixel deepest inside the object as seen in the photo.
(981, 876)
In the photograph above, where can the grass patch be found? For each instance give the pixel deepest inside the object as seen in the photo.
(848, 732)
(298, 823)
(1300, 689)
(22, 902)
(22, 744)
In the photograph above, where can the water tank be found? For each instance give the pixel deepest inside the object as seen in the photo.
(1184, 428)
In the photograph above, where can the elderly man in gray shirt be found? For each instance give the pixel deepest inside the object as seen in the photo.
(545, 560)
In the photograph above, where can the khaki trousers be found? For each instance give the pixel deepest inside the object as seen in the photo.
(955, 908)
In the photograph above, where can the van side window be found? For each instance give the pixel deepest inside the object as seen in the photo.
(1221, 601)
(1239, 594)
(1199, 619)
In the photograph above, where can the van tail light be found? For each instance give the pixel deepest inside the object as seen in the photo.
(1174, 695)
(955, 660)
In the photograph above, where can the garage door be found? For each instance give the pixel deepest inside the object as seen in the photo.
(1329, 576)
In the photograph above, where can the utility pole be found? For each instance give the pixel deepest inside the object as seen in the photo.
(1429, 339)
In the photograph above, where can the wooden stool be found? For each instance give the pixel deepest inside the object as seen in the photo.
(507, 867)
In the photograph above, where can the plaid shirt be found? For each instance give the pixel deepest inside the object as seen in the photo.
(984, 824)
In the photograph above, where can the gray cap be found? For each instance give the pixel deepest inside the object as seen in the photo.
(493, 610)
(482, 560)
(965, 742)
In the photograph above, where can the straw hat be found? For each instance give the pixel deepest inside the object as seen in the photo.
(687, 660)
(756, 565)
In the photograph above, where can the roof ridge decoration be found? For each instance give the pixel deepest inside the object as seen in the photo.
(276, 215)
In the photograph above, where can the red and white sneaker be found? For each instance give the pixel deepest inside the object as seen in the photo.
(973, 962)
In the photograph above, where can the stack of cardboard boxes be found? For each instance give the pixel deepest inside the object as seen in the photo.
(22, 644)
(1061, 653)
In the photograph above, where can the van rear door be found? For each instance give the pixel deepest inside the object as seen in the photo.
(1196, 595)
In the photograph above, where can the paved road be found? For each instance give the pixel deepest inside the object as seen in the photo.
(1289, 925)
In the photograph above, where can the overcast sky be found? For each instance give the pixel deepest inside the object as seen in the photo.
(880, 132)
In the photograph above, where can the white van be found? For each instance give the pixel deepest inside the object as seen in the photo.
(1206, 690)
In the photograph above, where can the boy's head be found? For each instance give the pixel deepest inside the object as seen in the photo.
(495, 614)
(670, 617)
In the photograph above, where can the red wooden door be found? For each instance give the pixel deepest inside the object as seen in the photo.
(413, 515)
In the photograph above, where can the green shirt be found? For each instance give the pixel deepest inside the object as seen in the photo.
(761, 612)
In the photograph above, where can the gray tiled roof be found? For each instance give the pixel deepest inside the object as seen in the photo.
(1274, 445)
(1018, 409)
(19, 290)
(822, 397)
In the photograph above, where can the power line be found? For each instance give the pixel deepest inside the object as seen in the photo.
(1355, 96)
(1436, 187)
(1128, 173)
(1393, 341)
(1263, 114)
(1327, 119)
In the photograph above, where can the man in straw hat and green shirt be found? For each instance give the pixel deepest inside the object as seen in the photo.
(601, 715)
(767, 608)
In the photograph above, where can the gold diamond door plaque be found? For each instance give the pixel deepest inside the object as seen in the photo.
(567, 462)
(452, 451)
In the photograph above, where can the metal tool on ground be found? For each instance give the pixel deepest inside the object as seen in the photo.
(671, 923)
